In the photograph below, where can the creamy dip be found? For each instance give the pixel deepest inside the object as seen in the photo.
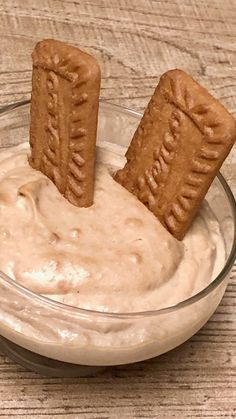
(114, 256)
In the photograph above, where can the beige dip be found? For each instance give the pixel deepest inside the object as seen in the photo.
(114, 256)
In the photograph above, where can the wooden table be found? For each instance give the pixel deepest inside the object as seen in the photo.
(134, 41)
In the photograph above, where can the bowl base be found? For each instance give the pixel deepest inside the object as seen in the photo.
(44, 365)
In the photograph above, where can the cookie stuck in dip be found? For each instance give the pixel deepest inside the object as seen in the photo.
(180, 144)
(64, 112)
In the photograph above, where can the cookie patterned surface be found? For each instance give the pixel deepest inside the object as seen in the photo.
(181, 142)
(64, 111)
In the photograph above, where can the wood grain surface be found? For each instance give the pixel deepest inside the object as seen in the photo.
(134, 41)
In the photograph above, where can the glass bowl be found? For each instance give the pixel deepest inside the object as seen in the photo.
(56, 339)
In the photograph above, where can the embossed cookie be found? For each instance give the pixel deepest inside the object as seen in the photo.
(181, 142)
(64, 111)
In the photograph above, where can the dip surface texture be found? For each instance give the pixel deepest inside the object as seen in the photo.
(114, 256)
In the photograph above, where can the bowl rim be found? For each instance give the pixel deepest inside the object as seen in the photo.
(85, 312)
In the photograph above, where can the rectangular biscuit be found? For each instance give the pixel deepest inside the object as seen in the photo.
(177, 149)
(64, 112)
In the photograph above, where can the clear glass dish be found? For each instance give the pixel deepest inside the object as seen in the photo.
(48, 336)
